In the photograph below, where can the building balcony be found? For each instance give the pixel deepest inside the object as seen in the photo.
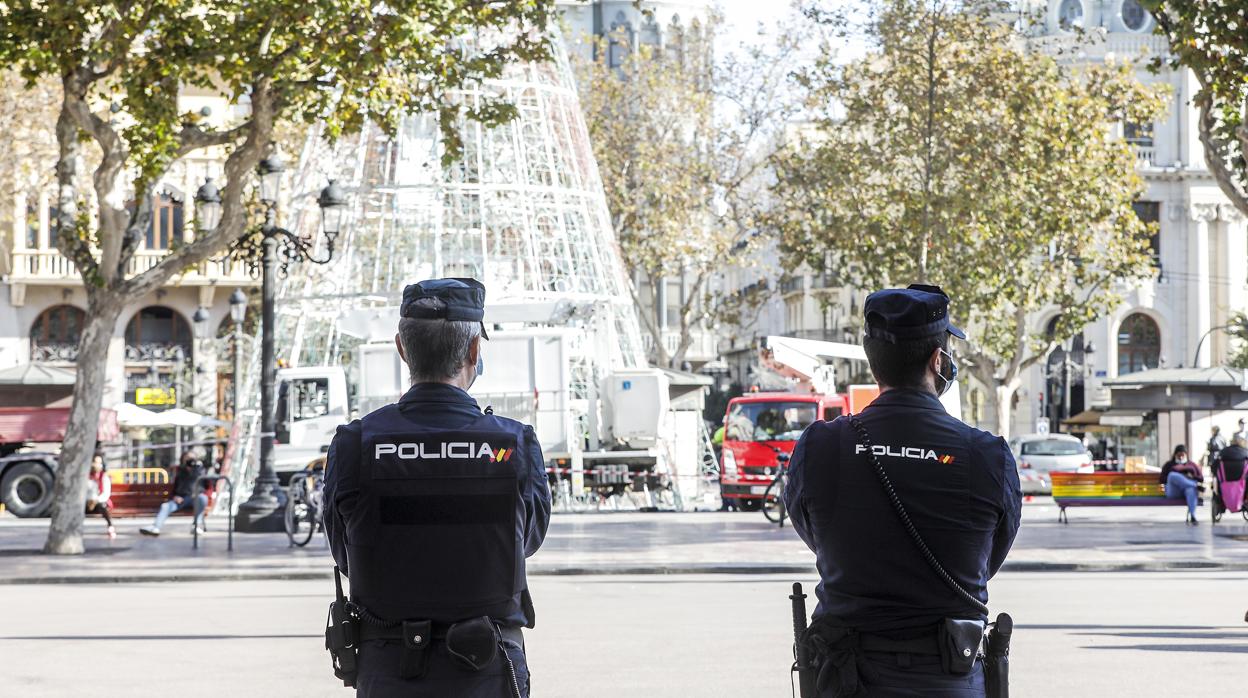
(54, 353)
(1145, 155)
(51, 268)
(703, 348)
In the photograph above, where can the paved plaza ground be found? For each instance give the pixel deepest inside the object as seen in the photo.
(1119, 601)
(1096, 539)
(689, 636)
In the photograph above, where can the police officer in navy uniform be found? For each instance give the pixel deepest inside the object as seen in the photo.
(879, 598)
(432, 507)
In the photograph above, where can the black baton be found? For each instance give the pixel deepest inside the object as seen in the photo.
(801, 653)
(997, 658)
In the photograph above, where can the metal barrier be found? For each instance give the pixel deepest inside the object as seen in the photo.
(229, 516)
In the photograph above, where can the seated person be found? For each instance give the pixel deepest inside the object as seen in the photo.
(1182, 479)
(1232, 460)
(99, 492)
(184, 493)
(768, 425)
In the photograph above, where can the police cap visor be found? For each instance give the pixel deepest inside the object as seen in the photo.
(900, 314)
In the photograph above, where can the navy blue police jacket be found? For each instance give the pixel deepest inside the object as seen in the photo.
(959, 485)
(436, 406)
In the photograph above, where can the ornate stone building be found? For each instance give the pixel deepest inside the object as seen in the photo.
(155, 357)
(1201, 249)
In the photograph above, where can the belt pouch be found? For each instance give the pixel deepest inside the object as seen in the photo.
(473, 643)
(959, 644)
(417, 635)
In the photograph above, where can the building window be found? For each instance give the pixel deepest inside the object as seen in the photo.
(32, 227)
(158, 333)
(1134, 17)
(650, 32)
(55, 333)
(1070, 14)
(620, 42)
(164, 231)
(1139, 344)
(674, 42)
(1150, 212)
(1138, 135)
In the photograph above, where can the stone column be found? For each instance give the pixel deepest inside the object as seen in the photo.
(1199, 303)
(1232, 274)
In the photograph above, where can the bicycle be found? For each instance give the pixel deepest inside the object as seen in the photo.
(773, 498)
(303, 504)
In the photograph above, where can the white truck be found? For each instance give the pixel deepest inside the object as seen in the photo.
(608, 436)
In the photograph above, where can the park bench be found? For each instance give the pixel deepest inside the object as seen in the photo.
(1108, 490)
(141, 491)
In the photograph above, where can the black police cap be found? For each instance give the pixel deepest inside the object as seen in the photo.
(461, 299)
(914, 312)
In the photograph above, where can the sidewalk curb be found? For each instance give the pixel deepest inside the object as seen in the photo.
(613, 571)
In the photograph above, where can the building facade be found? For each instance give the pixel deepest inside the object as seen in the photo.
(156, 359)
(1200, 251)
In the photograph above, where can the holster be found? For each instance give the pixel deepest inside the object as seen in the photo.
(473, 643)
(342, 640)
(959, 641)
(417, 634)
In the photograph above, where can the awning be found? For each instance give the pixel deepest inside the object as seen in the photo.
(33, 374)
(1122, 418)
(133, 416)
(1084, 418)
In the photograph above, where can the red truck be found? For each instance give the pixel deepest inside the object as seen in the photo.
(26, 474)
(758, 427)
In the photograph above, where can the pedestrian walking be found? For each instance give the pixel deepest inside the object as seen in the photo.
(1241, 431)
(185, 492)
(887, 623)
(1182, 479)
(100, 492)
(432, 507)
(1217, 442)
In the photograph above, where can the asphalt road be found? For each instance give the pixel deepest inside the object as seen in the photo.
(1087, 634)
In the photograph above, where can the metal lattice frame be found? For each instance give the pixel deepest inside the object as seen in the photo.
(523, 210)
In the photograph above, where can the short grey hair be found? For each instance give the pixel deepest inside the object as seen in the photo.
(436, 350)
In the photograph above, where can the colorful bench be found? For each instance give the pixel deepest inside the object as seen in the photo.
(1108, 490)
(141, 491)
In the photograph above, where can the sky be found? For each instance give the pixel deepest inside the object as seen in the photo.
(742, 17)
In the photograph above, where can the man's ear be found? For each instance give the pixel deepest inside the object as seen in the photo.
(474, 351)
(934, 360)
(399, 345)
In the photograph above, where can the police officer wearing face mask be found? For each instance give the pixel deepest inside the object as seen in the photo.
(432, 507)
(887, 622)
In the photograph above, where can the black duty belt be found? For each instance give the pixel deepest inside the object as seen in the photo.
(373, 631)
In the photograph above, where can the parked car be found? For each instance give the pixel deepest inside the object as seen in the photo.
(1038, 455)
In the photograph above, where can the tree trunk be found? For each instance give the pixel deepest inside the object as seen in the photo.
(1003, 407)
(68, 500)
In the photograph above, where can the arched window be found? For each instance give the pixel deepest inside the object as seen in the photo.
(650, 33)
(55, 333)
(1139, 344)
(157, 333)
(674, 41)
(620, 42)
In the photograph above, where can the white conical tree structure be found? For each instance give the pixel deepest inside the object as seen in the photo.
(522, 210)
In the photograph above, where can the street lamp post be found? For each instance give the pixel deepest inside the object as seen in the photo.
(262, 512)
(238, 313)
(202, 327)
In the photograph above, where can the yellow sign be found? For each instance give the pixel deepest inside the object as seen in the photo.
(155, 396)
